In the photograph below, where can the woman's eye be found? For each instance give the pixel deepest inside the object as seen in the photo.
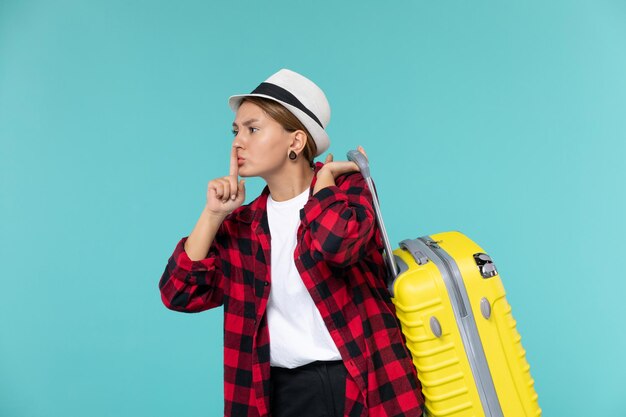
(252, 129)
(234, 132)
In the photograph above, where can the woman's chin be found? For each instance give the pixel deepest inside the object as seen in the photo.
(244, 173)
(247, 172)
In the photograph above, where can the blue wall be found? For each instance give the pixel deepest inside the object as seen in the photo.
(503, 120)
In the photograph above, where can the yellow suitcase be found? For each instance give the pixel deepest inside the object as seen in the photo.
(458, 324)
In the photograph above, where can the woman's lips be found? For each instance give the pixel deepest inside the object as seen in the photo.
(240, 161)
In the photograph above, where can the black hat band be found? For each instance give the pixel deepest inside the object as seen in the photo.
(283, 95)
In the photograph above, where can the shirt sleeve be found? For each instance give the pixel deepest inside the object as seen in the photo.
(339, 222)
(193, 286)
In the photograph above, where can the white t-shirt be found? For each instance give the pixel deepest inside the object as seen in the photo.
(298, 334)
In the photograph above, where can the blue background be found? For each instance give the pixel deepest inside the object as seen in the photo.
(504, 120)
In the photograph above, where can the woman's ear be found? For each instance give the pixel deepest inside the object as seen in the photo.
(298, 141)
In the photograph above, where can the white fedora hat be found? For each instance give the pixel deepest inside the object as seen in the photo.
(300, 96)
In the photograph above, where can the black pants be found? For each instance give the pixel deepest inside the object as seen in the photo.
(316, 389)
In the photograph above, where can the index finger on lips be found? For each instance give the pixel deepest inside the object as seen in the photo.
(234, 173)
(234, 166)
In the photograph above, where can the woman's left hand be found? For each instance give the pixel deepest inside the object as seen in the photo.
(332, 169)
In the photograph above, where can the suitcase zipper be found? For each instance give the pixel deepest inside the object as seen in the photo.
(456, 291)
(469, 332)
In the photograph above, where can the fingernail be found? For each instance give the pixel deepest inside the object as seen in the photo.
(232, 197)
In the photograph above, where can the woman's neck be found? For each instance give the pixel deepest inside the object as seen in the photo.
(290, 182)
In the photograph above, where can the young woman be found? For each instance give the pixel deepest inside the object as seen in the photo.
(309, 327)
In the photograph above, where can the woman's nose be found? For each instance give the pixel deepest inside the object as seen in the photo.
(237, 141)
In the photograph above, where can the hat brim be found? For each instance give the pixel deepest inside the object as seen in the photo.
(319, 134)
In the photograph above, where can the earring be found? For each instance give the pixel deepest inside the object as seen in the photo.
(292, 155)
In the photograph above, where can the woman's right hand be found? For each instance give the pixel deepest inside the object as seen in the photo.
(225, 194)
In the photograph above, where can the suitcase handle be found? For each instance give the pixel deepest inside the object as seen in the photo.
(361, 161)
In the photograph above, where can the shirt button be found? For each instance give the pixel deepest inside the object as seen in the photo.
(267, 283)
(254, 321)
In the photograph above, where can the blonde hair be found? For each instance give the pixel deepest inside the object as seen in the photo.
(288, 121)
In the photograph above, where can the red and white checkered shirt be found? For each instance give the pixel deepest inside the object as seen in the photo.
(339, 257)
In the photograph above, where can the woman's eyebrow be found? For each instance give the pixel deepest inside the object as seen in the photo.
(247, 122)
